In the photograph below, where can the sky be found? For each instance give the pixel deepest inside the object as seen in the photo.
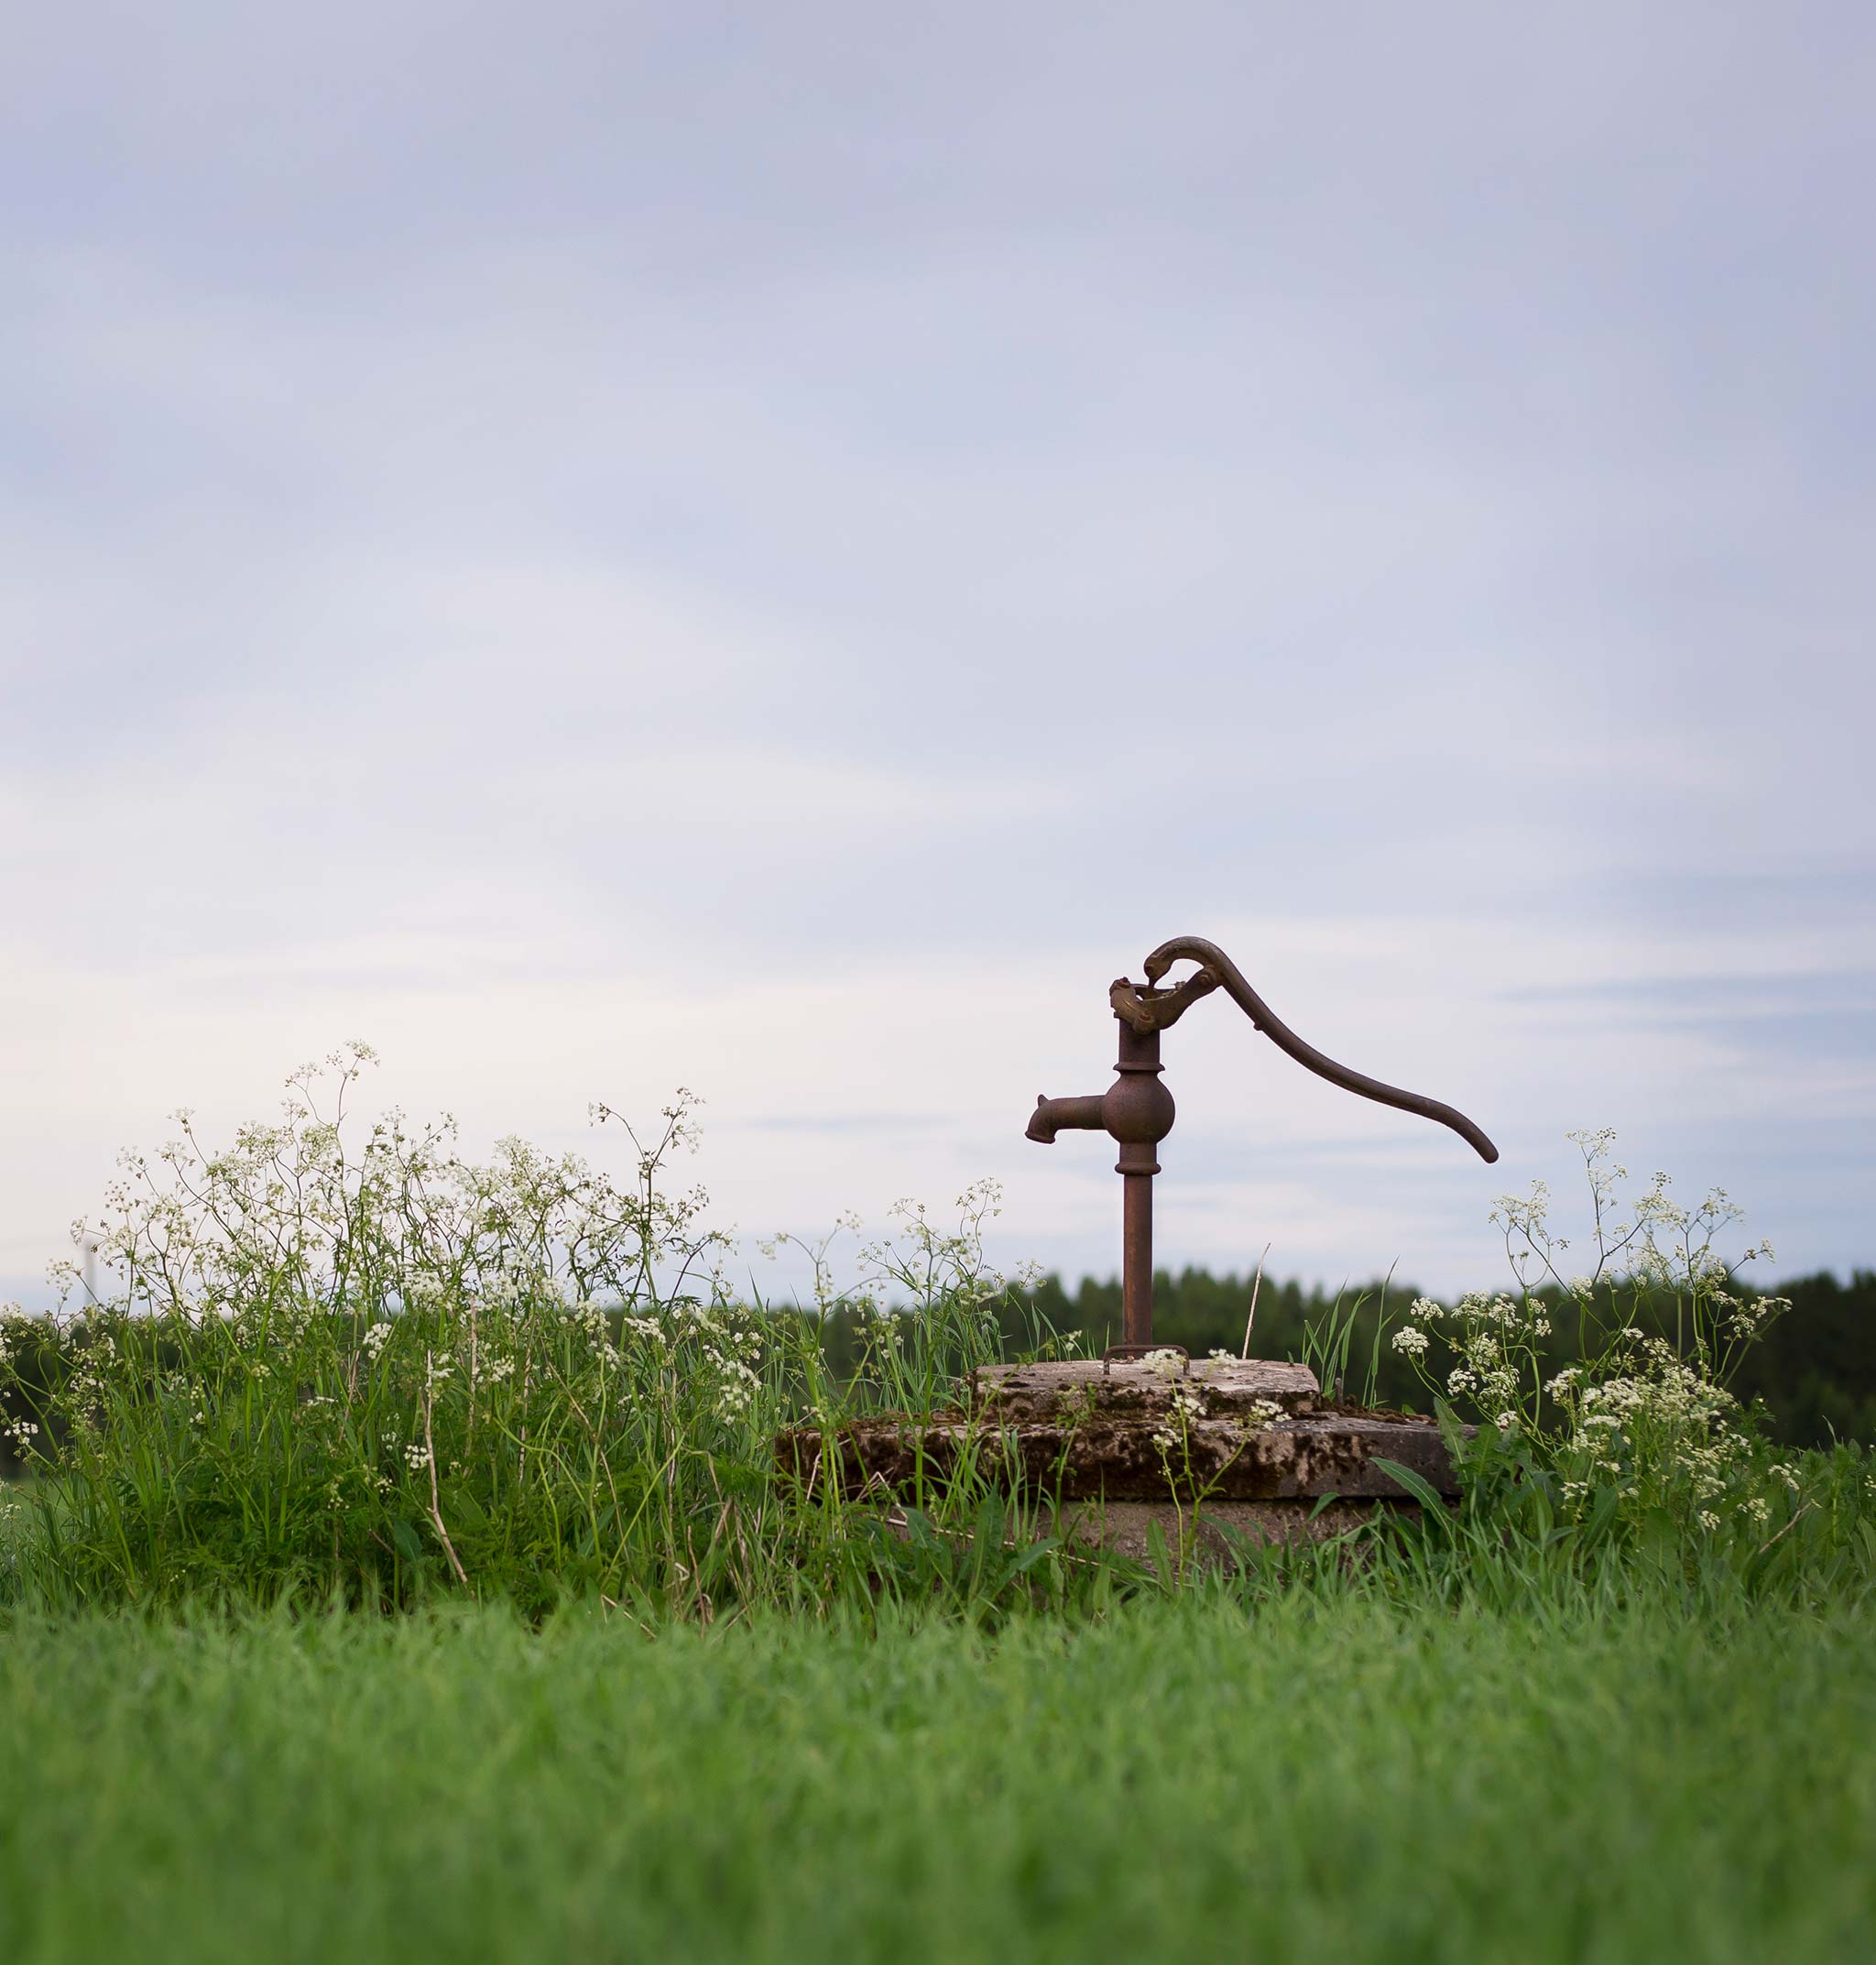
(777, 550)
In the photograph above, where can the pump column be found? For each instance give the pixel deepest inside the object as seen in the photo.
(1139, 1112)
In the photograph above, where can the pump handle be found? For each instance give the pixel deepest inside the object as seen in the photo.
(1217, 971)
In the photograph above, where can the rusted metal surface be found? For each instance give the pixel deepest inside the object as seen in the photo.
(1215, 962)
(1137, 1110)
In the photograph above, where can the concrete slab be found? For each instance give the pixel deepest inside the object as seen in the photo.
(1230, 1432)
(1127, 1526)
(1224, 1387)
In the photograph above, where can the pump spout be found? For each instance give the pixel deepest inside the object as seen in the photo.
(1056, 1115)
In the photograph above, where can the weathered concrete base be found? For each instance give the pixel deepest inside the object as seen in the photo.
(1126, 1526)
(1114, 1450)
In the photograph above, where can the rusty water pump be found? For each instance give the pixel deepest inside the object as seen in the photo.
(1137, 1110)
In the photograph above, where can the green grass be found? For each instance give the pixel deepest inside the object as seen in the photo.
(1621, 1704)
(1324, 1778)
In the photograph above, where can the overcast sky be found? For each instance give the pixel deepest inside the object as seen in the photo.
(779, 548)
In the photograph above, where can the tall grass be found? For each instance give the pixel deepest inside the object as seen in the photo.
(361, 1368)
(336, 1363)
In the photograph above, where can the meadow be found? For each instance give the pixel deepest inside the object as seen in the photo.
(1319, 1777)
(404, 1568)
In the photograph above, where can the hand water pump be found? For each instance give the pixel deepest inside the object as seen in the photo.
(1137, 1110)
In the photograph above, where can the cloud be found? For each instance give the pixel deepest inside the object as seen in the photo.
(682, 548)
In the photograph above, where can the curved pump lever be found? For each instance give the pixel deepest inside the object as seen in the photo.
(1154, 1013)
(1137, 1112)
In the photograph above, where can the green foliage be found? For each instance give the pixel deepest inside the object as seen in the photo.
(1814, 1374)
(1814, 1371)
(335, 1369)
(367, 1371)
(1206, 1312)
(1319, 1776)
(701, 1709)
